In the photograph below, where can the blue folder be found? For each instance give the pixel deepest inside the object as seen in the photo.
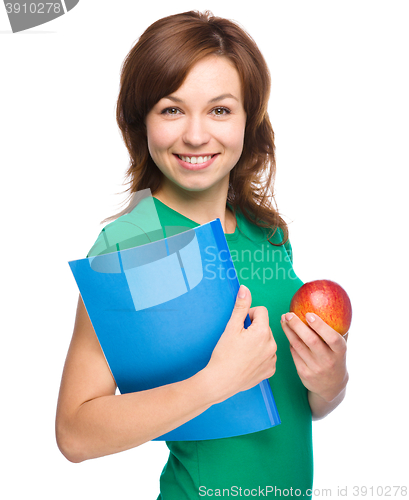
(158, 310)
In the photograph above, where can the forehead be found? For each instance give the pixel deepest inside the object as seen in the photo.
(209, 77)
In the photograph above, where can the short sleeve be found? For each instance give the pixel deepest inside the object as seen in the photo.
(119, 235)
(278, 238)
(289, 250)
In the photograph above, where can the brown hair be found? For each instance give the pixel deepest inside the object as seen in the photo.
(158, 64)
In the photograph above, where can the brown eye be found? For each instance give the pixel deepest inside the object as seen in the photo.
(170, 111)
(220, 111)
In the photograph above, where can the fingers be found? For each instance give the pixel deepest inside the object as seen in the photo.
(302, 342)
(240, 310)
(333, 339)
(319, 354)
(324, 335)
(260, 323)
(301, 365)
(258, 314)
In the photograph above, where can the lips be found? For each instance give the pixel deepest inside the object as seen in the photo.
(195, 162)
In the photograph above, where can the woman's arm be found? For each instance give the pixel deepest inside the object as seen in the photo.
(92, 421)
(319, 354)
(320, 407)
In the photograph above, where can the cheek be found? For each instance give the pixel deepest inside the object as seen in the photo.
(159, 137)
(236, 140)
(156, 141)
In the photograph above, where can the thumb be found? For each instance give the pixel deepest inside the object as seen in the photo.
(241, 309)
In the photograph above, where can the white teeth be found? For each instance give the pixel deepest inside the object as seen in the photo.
(195, 159)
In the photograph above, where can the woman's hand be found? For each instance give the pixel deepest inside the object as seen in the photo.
(319, 354)
(243, 357)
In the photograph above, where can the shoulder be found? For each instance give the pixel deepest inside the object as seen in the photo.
(259, 233)
(138, 227)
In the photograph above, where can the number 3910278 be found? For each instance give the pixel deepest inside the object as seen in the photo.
(33, 8)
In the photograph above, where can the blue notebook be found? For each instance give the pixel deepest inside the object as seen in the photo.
(158, 310)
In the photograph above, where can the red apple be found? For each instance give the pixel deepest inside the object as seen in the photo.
(326, 299)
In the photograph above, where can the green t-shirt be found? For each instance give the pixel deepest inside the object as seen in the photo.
(276, 462)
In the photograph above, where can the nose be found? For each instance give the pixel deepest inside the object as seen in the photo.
(195, 133)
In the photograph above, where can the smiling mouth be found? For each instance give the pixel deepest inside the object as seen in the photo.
(196, 160)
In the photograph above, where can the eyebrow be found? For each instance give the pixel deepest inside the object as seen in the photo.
(215, 99)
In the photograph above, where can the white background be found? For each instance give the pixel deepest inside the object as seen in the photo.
(339, 108)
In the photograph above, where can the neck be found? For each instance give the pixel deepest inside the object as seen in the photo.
(199, 207)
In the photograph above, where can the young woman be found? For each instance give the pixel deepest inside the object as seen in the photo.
(192, 109)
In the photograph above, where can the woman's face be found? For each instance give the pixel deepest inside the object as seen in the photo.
(196, 134)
